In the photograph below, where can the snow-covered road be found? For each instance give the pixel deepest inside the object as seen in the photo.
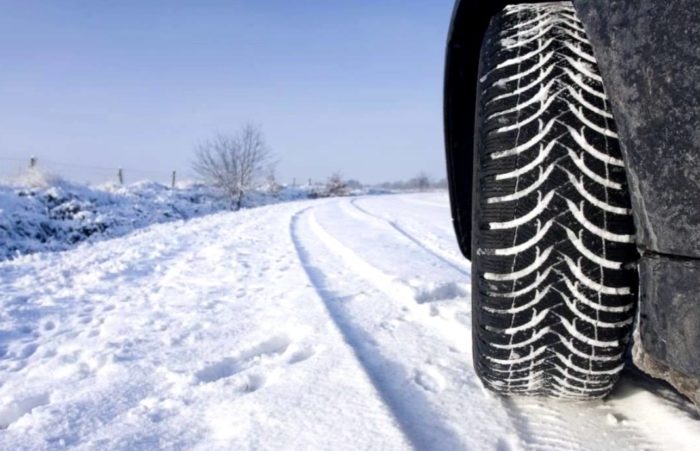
(329, 324)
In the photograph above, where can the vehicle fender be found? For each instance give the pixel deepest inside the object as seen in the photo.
(649, 58)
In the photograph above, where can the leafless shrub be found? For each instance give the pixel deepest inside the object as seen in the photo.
(233, 163)
(336, 186)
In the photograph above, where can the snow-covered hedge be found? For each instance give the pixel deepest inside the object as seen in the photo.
(44, 213)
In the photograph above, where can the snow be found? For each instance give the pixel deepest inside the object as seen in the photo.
(339, 323)
(42, 212)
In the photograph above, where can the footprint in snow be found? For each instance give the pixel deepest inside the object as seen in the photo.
(301, 355)
(441, 292)
(463, 318)
(15, 409)
(230, 366)
(254, 382)
(218, 370)
(430, 379)
(28, 350)
(26, 330)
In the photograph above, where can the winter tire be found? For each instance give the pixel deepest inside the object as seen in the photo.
(553, 236)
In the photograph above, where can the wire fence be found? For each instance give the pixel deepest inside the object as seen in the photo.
(13, 168)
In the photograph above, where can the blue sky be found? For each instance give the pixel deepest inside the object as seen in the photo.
(351, 85)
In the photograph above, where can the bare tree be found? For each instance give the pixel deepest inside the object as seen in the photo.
(233, 162)
(421, 182)
(336, 186)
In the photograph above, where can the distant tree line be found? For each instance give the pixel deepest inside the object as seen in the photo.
(420, 182)
(237, 163)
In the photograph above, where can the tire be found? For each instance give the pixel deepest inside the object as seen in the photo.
(555, 285)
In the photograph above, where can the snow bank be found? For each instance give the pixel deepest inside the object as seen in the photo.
(42, 212)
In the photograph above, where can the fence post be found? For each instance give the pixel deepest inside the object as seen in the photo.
(120, 176)
(172, 183)
(294, 182)
(32, 162)
(309, 182)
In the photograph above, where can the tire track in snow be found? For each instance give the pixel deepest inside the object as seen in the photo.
(458, 389)
(554, 425)
(540, 424)
(390, 285)
(437, 253)
(410, 413)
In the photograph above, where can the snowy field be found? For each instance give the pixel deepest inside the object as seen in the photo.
(338, 324)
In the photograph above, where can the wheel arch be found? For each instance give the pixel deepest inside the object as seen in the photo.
(469, 22)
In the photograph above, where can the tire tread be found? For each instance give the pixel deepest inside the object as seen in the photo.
(553, 307)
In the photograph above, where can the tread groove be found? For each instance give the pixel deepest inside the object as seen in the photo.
(553, 234)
